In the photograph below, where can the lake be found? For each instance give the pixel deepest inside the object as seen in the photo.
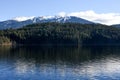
(60, 62)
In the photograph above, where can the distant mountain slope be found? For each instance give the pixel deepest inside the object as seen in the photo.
(17, 24)
(117, 25)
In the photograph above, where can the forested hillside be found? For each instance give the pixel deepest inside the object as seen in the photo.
(61, 33)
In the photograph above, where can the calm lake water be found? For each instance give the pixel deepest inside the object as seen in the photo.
(60, 63)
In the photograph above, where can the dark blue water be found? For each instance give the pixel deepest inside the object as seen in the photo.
(60, 63)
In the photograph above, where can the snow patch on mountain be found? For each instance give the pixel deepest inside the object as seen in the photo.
(47, 17)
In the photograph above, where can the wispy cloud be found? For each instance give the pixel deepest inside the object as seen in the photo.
(104, 18)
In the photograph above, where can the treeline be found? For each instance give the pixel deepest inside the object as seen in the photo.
(62, 33)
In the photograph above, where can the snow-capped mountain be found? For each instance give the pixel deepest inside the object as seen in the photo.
(23, 21)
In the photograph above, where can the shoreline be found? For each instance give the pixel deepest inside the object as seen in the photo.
(11, 44)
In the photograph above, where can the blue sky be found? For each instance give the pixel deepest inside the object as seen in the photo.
(13, 8)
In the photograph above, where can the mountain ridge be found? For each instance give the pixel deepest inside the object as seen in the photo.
(16, 23)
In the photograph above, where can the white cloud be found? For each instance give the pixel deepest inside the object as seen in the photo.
(103, 18)
(62, 14)
(23, 18)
